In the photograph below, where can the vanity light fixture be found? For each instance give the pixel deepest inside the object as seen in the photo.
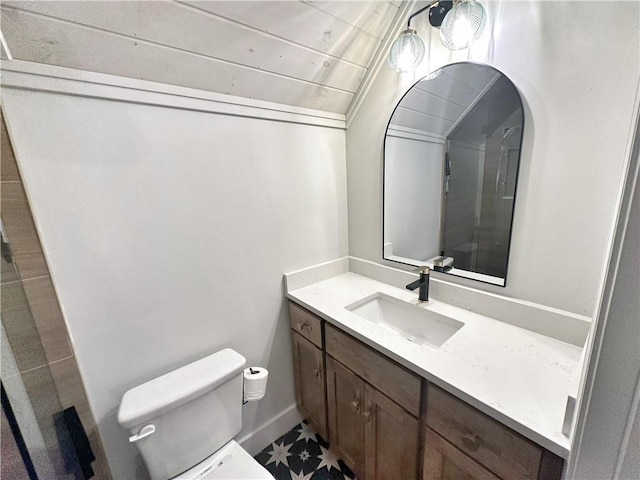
(462, 22)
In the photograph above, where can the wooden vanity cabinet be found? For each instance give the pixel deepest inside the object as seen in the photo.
(372, 412)
(309, 368)
(373, 434)
(462, 442)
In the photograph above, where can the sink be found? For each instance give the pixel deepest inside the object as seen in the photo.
(416, 324)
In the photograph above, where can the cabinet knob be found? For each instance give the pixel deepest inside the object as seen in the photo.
(471, 442)
(318, 370)
(302, 326)
(356, 405)
(367, 416)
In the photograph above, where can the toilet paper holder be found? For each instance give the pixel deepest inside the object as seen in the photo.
(252, 372)
(257, 378)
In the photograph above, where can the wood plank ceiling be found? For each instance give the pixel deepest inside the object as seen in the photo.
(311, 54)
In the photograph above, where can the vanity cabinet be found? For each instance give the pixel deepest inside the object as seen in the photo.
(462, 442)
(364, 404)
(308, 368)
(373, 407)
(386, 422)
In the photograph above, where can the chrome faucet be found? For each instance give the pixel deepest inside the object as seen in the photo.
(423, 284)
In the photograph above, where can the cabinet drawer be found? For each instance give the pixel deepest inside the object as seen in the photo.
(500, 449)
(394, 381)
(306, 324)
(443, 461)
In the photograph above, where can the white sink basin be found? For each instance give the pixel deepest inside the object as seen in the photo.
(412, 322)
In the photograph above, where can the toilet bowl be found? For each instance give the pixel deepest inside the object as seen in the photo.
(183, 422)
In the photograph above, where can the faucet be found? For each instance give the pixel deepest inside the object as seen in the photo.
(423, 284)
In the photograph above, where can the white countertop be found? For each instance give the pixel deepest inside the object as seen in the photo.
(516, 376)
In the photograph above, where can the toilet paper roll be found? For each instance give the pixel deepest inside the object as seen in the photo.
(255, 383)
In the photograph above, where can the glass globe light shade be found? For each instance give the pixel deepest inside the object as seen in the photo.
(406, 52)
(463, 24)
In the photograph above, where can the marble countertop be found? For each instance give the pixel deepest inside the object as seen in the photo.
(516, 376)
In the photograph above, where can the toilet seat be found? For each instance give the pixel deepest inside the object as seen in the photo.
(231, 462)
(239, 468)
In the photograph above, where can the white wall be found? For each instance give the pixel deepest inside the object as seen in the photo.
(413, 186)
(167, 231)
(577, 79)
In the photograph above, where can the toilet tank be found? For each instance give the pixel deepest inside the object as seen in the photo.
(182, 417)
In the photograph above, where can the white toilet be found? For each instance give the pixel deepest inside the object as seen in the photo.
(184, 422)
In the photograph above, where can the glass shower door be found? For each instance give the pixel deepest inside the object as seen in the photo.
(29, 398)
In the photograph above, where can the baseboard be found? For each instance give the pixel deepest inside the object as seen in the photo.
(255, 441)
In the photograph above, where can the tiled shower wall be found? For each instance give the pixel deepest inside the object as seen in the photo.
(34, 323)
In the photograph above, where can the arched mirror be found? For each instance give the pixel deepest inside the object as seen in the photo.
(451, 159)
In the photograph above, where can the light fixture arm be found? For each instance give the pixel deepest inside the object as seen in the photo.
(415, 14)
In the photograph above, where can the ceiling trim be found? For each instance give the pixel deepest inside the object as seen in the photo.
(25, 75)
(379, 59)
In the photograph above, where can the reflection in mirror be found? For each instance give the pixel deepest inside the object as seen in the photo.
(451, 158)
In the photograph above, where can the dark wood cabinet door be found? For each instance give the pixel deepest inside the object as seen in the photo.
(309, 378)
(345, 397)
(391, 439)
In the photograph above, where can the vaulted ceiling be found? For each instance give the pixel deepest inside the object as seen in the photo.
(312, 54)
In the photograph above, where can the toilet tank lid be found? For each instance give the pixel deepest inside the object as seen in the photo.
(162, 394)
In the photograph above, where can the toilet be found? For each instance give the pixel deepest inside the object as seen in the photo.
(184, 422)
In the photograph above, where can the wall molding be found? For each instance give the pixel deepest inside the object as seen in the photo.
(23, 75)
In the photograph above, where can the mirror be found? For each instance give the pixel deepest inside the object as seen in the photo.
(451, 158)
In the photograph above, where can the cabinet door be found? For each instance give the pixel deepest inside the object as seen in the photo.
(443, 461)
(310, 383)
(391, 439)
(345, 395)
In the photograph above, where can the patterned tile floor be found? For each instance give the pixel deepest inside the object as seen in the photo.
(301, 454)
